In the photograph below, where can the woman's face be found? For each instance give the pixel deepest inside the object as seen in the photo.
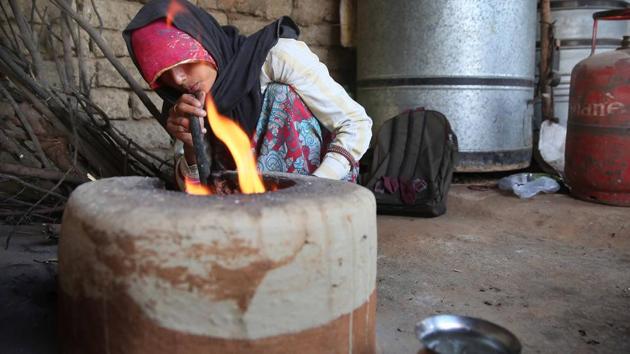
(190, 77)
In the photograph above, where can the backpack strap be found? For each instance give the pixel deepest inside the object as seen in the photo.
(398, 142)
(381, 153)
(416, 125)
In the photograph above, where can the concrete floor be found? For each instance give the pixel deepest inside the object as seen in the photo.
(28, 293)
(553, 270)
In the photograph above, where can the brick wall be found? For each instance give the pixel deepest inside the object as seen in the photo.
(318, 20)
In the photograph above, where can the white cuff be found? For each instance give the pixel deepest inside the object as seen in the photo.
(334, 166)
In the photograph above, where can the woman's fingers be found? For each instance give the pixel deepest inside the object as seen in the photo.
(190, 99)
(186, 138)
(178, 122)
(183, 109)
(184, 124)
(189, 104)
(202, 124)
(179, 128)
(172, 127)
(201, 97)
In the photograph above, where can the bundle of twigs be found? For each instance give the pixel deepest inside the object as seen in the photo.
(55, 138)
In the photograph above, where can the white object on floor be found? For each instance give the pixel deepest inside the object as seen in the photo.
(551, 145)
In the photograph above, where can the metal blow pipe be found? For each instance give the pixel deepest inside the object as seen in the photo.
(200, 146)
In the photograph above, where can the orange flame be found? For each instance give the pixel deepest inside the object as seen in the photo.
(173, 9)
(240, 147)
(194, 187)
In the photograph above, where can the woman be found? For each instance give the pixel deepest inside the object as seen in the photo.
(299, 119)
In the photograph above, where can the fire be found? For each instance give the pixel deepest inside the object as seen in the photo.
(173, 9)
(194, 187)
(240, 147)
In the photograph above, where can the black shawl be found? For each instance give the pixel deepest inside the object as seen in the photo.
(239, 59)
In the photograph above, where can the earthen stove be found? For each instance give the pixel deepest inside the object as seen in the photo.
(147, 270)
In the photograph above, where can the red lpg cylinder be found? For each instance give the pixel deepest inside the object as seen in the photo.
(597, 156)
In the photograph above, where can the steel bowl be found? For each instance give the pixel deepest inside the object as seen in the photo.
(452, 334)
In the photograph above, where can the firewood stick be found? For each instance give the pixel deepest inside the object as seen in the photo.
(98, 155)
(110, 56)
(84, 82)
(52, 175)
(98, 17)
(11, 146)
(199, 144)
(33, 8)
(27, 127)
(106, 167)
(14, 72)
(49, 115)
(36, 211)
(105, 161)
(12, 201)
(8, 21)
(28, 39)
(122, 140)
(32, 208)
(34, 187)
(67, 51)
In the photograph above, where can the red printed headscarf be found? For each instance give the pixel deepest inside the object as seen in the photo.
(159, 47)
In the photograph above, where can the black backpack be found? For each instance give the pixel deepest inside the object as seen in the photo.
(412, 164)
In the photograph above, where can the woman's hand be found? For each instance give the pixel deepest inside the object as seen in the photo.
(177, 124)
